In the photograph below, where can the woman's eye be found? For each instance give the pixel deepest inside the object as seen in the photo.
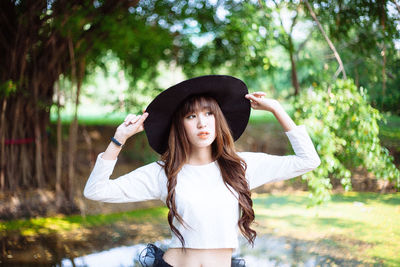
(209, 113)
(190, 116)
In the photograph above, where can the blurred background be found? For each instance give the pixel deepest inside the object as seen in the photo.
(70, 71)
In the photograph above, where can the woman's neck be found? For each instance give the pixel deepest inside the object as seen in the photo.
(200, 156)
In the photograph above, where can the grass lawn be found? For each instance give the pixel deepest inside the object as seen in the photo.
(362, 226)
(353, 226)
(65, 224)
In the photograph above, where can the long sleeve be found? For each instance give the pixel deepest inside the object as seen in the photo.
(265, 168)
(144, 183)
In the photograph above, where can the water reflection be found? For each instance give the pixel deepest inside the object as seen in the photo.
(121, 256)
(115, 257)
(268, 251)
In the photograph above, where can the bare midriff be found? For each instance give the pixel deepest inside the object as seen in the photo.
(177, 257)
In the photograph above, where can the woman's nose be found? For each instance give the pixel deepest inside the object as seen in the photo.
(201, 121)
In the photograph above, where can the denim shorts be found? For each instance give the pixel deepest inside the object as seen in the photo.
(152, 256)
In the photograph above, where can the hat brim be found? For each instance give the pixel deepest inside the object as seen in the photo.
(228, 91)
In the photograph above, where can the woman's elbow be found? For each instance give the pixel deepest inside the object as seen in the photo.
(315, 162)
(89, 194)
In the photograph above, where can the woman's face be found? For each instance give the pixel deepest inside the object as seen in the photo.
(200, 128)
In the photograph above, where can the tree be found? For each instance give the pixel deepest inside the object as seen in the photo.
(365, 34)
(39, 41)
(344, 128)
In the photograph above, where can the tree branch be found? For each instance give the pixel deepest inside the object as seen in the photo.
(337, 56)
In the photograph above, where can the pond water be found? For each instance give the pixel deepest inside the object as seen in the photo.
(268, 251)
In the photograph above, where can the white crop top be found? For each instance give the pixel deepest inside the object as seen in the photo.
(202, 199)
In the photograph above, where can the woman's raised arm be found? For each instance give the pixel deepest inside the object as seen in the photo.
(132, 124)
(258, 101)
(264, 168)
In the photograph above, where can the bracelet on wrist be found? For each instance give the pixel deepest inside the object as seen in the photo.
(115, 141)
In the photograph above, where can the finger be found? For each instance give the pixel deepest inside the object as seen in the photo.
(137, 120)
(143, 118)
(251, 97)
(127, 116)
(134, 119)
(128, 119)
(259, 94)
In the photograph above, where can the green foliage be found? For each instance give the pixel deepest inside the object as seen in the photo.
(344, 128)
(241, 45)
(363, 31)
(251, 43)
(390, 131)
(7, 88)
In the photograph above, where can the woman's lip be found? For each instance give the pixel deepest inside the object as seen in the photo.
(203, 135)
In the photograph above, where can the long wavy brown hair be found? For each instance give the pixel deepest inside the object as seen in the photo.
(223, 151)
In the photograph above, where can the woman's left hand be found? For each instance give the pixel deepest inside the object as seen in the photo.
(258, 101)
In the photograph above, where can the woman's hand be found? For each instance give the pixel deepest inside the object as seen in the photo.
(258, 101)
(132, 125)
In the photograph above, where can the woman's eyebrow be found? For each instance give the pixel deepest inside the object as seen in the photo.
(205, 108)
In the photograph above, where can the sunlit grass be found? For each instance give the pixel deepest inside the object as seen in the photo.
(47, 225)
(364, 224)
(112, 119)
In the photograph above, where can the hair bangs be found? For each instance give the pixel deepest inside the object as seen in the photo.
(198, 103)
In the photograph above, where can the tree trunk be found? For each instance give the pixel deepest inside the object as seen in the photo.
(2, 140)
(295, 81)
(38, 140)
(13, 149)
(59, 148)
(22, 153)
(73, 128)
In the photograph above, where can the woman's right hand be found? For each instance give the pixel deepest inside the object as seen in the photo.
(132, 125)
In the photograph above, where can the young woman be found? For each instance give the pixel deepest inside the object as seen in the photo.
(201, 178)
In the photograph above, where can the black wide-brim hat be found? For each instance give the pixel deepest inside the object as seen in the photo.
(228, 91)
